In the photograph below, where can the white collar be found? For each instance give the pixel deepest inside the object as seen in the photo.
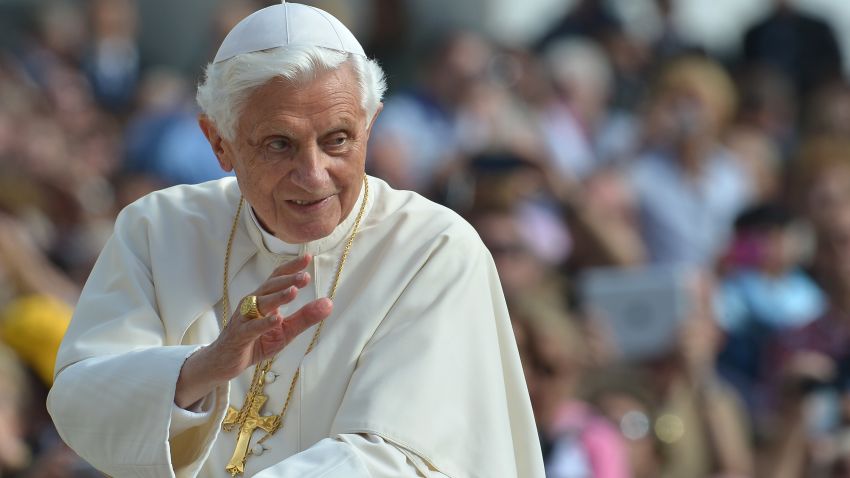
(274, 244)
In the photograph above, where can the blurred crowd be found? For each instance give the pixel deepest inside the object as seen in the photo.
(672, 230)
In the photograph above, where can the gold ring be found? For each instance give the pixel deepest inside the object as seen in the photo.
(248, 307)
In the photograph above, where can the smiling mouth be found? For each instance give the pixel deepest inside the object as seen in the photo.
(308, 202)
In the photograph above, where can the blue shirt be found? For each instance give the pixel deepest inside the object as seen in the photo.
(687, 220)
(751, 298)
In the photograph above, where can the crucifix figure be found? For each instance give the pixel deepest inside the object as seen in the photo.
(250, 422)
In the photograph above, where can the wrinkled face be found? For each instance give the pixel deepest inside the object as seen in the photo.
(299, 153)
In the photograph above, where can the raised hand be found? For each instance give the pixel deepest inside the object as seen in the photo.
(244, 341)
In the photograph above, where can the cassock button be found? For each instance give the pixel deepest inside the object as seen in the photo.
(270, 377)
(257, 449)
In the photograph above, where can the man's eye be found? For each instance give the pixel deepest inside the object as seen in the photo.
(337, 140)
(278, 145)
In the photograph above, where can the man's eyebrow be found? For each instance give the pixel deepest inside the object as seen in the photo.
(343, 128)
(344, 123)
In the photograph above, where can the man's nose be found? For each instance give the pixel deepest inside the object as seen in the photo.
(310, 172)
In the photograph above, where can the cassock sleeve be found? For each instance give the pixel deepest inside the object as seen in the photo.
(441, 375)
(113, 395)
(183, 419)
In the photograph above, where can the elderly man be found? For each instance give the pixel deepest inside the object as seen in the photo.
(186, 356)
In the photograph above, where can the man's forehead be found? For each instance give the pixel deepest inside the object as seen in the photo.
(280, 106)
(293, 123)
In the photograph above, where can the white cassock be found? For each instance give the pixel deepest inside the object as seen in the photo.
(416, 372)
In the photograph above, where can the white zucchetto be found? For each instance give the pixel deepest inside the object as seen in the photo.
(287, 24)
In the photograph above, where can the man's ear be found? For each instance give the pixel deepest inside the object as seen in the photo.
(374, 117)
(216, 142)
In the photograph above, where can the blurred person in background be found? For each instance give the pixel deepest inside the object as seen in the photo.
(621, 394)
(810, 362)
(581, 130)
(669, 42)
(694, 418)
(812, 371)
(418, 133)
(603, 217)
(58, 38)
(705, 403)
(527, 273)
(578, 172)
(820, 181)
(594, 221)
(389, 39)
(32, 326)
(163, 145)
(764, 293)
(162, 138)
(769, 106)
(589, 223)
(802, 46)
(112, 59)
(629, 55)
(35, 308)
(689, 188)
(578, 442)
(465, 105)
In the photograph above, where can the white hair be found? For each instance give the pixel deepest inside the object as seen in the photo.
(228, 84)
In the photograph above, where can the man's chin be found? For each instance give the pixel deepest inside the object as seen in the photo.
(309, 232)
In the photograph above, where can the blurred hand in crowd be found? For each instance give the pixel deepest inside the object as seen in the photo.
(699, 337)
(25, 268)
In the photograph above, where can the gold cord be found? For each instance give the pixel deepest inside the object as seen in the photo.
(260, 370)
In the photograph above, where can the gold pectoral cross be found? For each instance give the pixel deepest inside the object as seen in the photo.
(250, 421)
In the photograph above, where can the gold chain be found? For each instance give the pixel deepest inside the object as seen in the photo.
(260, 370)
